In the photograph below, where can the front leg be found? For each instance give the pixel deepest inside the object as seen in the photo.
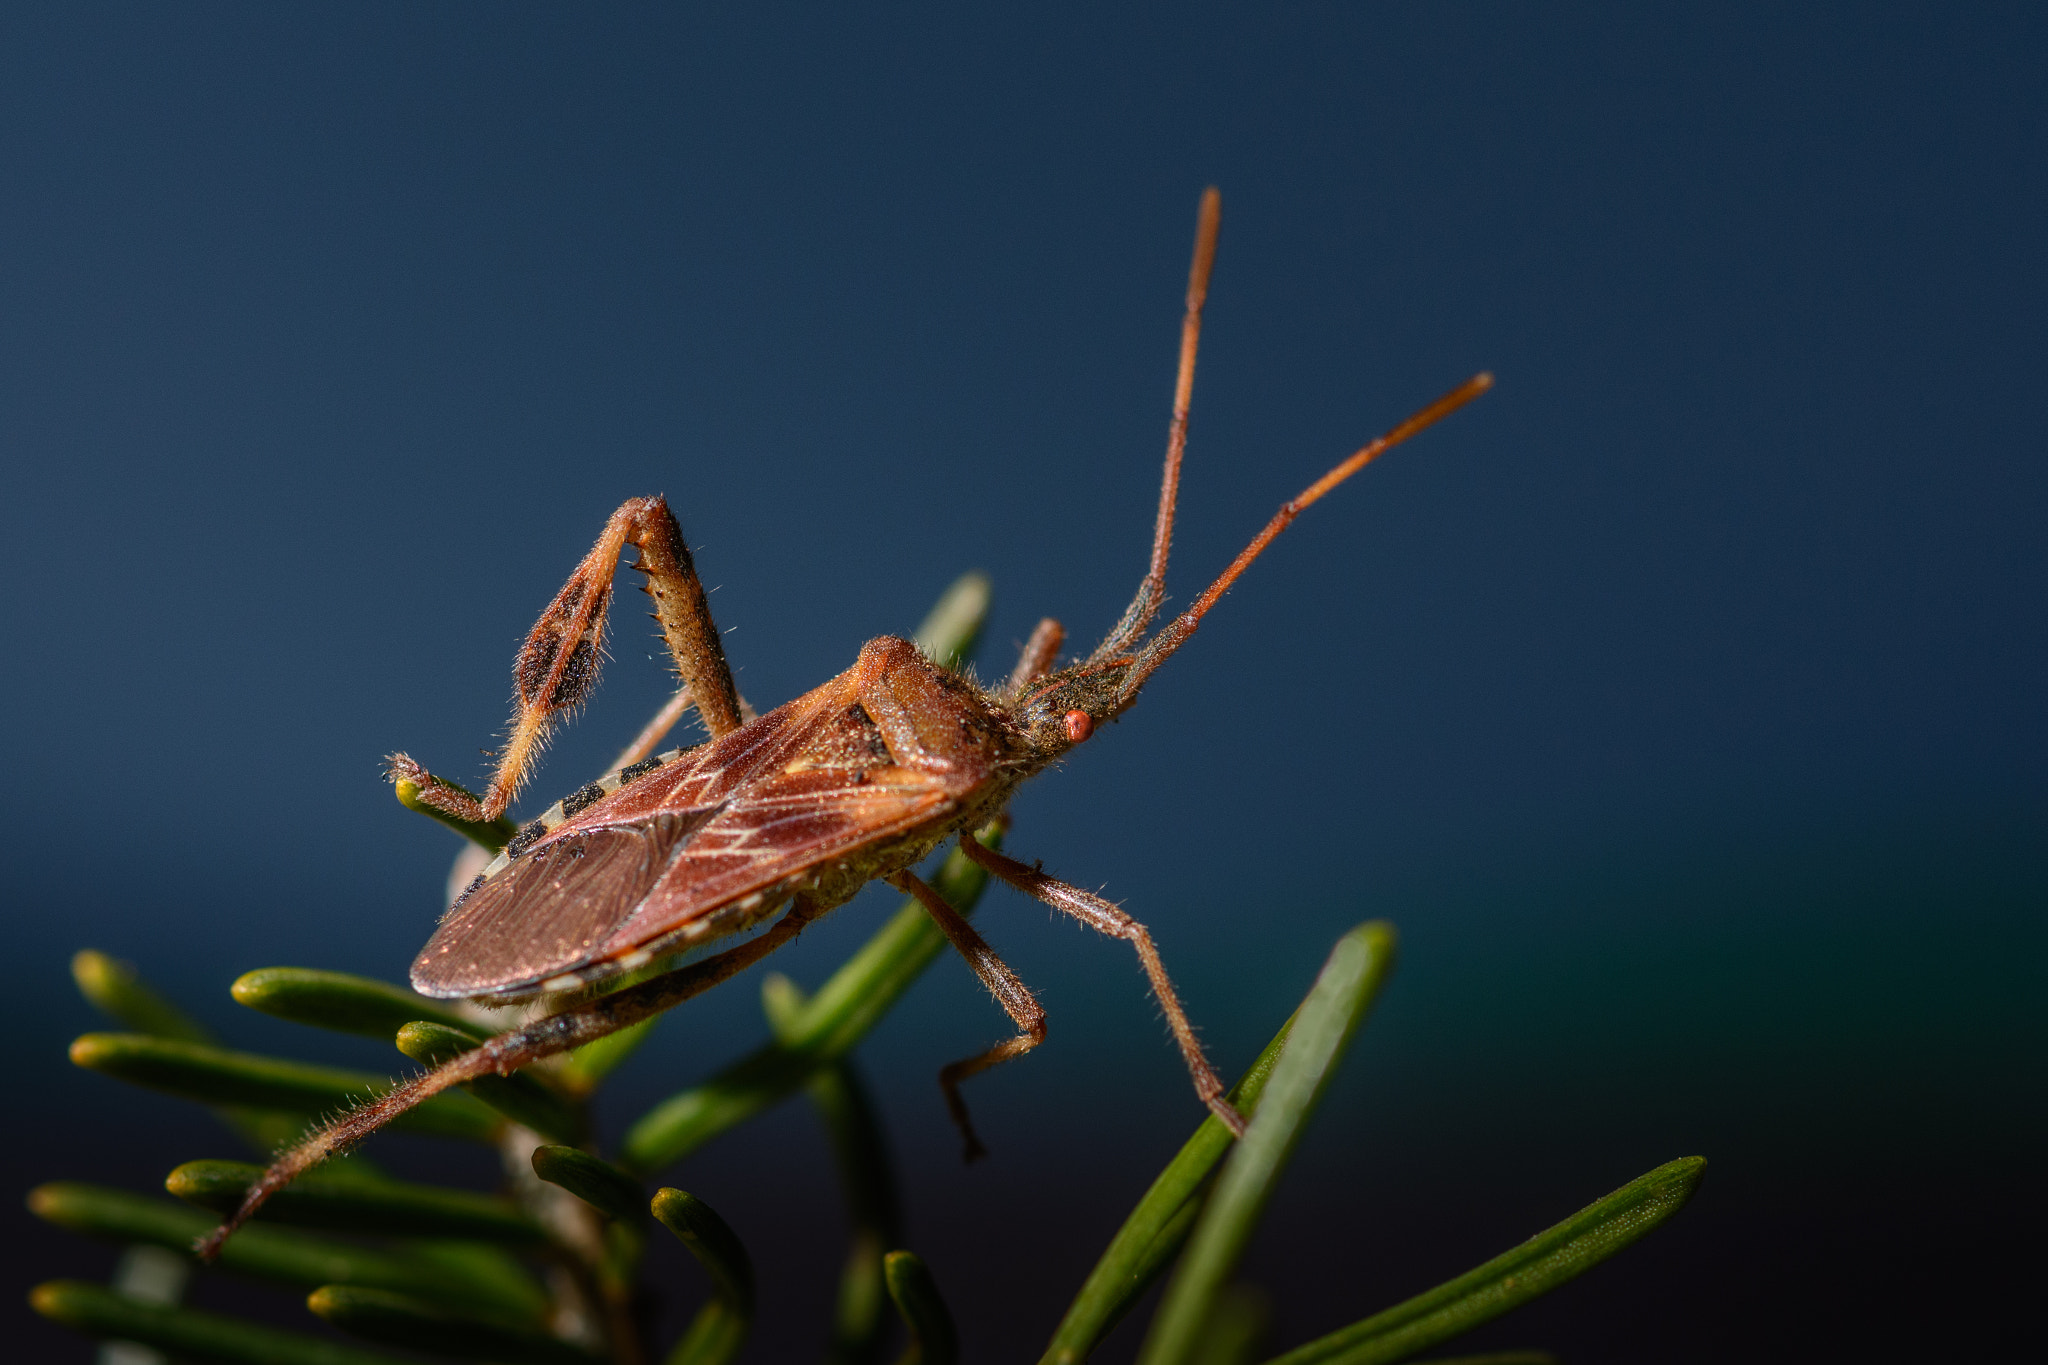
(1038, 656)
(1107, 918)
(557, 667)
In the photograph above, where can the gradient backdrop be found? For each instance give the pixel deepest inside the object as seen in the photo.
(1681, 700)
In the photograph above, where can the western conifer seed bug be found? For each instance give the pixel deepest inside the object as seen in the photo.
(793, 811)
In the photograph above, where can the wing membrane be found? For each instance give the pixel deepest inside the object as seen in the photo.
(587, 883)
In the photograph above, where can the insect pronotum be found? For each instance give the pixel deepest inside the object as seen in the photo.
(790, 812)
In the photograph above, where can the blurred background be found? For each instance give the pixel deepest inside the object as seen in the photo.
(1680, 701)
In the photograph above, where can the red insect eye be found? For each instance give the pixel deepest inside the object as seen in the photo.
(1080, 725)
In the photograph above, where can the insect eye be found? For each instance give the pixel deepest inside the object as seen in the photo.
(1079, 725)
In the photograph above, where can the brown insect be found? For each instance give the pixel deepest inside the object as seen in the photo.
(793, 811)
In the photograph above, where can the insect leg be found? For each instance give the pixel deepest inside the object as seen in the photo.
(1039, 654)
(507, 1053)
(1015, 998)
(558, 665)
(664, 721)
(656, 729)
(1106, 918)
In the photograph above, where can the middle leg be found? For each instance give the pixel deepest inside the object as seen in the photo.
(1012, 994)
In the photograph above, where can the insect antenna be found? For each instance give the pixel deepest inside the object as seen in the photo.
(1152, 590)
(1177, 631)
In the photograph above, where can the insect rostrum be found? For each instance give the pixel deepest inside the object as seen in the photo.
(791, 812)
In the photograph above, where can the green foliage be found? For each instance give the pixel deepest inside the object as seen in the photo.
(112, 986)
(1157, 1228)
(282, 1255)
(594, 1180)
(1322, 1029)
(336, 1000)
(100, 1312)
(418, 1324)
(720, 1328)
(350, 1203)
(1535, 1267)
(214, 1075)
(933, 1340)
(551, 1271)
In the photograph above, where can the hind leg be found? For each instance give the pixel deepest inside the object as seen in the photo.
(558, 665)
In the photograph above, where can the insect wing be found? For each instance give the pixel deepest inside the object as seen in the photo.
(547, 912)
(702, 847)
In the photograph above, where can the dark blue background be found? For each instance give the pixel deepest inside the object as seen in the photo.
(1681, 700)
